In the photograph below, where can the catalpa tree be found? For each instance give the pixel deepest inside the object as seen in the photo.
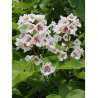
(48, 49)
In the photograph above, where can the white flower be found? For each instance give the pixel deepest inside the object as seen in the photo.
(63, 20)
(75, 34)
(72, 28)
(26, 48)
(46, 69)
(25, 18)
(27, 39)
(51, 43)
(53, 50)
(35, 6)
(71, 17)
(64, 28)
(44, 41)
(57, 38)
(20, 23)
(22, 35)
(64, 47)
(32, 17)
(52, 24)
(19, 43)
(40, 27)
(29, 58)
(24, 32)
(30, 28)
(77, 42)
(45, 22)
(37, 60)
(40, 17)
(75, 54)
(81, 51)
(77, 23)
(36, 40)
(62, 55)
(65, 37)
(58, 29)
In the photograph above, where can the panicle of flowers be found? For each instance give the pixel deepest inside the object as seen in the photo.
(39, 34)
(66, 27)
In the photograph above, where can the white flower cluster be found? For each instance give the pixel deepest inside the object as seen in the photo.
(37, 33)
(46, 68)
(68, 26)
(78, 51)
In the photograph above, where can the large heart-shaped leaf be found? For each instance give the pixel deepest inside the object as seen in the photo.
(77, 93)
(79, 6)
(17, 71)
(53, 96)
(72, 64)
(81, 75)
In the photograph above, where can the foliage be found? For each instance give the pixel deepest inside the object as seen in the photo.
(68, 80)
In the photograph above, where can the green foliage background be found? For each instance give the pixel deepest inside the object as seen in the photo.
(69, 79)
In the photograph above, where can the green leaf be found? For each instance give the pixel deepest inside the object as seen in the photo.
(44, 4)
(16, 91)
(14, 37)
(23, 63)
(27, 4)
(77, 85)
(53, 96)
(35, 11)
(81, 36)
(16, 10)
(30, 68)
(32, 91)
(81, 75)
(80, 8)
(59, 9)
(77, 93)
(17, 71)
(23, 27)
(72, 64)
(21, 76)
(38, 83)
(82, 61)
(58, 46)
(17, 55)
(15, 26)
(12, 55)
(48, 59)
(16, 68)
(83, 44)
(63, 90)
(65, 64)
